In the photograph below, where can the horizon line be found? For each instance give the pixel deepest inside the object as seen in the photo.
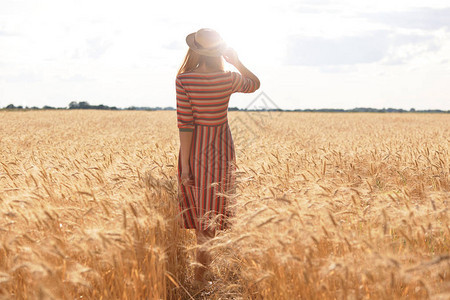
(171, 108)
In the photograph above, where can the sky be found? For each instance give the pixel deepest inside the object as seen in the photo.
(306, 53)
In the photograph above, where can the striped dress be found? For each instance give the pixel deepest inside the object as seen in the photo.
(202, 106)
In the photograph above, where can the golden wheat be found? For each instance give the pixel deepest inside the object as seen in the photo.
(328, 206)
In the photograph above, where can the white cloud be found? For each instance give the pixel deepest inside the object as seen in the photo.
(74, 78)
(6, 33)
(318, 51)
(418, 18)
(371, 47)
(24, 77)
(97, 47)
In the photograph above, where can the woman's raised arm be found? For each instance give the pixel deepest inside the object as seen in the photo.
(231, 57)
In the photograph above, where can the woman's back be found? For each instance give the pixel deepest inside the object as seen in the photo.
(202, 98)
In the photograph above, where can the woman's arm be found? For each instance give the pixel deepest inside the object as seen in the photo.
(231, 56)
(185, 144)
(185, 120)
(247, 73)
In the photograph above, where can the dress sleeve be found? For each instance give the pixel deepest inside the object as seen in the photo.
(185, 118)
(241, 84)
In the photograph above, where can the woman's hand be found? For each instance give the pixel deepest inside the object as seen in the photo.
(186, 179)
(231, 56)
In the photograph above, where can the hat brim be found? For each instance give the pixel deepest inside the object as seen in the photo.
(216, 52)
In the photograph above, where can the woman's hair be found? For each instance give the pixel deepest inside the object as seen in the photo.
(193, 60)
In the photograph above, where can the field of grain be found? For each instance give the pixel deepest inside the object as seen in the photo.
(328, 206)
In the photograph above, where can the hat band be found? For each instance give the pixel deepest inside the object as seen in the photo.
(201, 47)
(197, 44)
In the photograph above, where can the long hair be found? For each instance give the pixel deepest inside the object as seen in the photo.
(192, 60)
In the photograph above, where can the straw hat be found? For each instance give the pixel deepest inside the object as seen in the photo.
(207, 42)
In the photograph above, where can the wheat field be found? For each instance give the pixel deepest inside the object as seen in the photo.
(328, 206)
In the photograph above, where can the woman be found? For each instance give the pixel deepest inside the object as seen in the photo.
(206, 161)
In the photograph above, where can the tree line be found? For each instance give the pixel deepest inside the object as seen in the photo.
(86, 105)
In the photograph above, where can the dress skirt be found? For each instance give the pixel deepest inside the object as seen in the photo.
(212, 162)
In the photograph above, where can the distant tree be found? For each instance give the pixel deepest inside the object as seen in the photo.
(86, 105)
(48, 107)
(10, 106)
(74, 105)
(412, 110)
(83, 105)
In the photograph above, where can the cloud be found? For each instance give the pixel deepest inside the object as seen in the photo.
(419, 18)
(73, 78)
(96, 47)
(338, 69)
(406, 47)
(318, 51)
(24, 77)
(371, 47)
(174, 45)
(7, 33)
